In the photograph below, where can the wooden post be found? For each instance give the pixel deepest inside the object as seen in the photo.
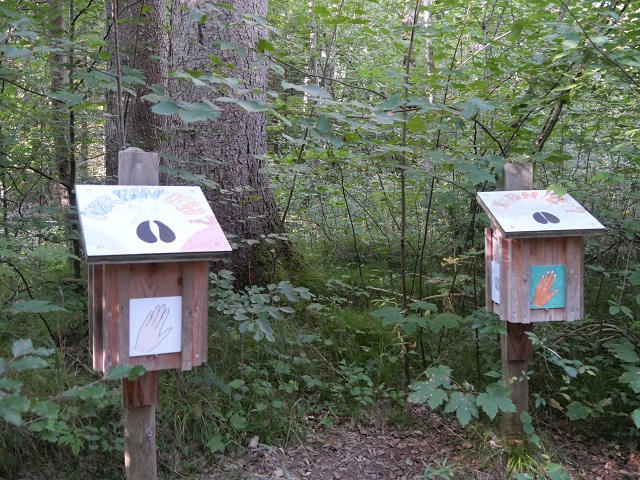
(139, 397)
(516, 346)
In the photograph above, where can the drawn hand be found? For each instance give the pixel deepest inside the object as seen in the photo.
(543, 294)
(151, 334)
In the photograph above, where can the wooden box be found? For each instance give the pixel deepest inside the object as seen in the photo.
(148, 250)
(533, 253)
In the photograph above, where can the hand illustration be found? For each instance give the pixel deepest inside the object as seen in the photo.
(543, 294)
(151, 334)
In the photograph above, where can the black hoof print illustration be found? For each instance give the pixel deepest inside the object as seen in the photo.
(545, 217)
(146, 235)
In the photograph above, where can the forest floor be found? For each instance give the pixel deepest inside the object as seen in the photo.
(432, 447)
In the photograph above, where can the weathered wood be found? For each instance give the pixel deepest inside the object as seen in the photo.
(137, 167)
(515, 343)
(111, 309)
(142, 392)
(140, 442)
(517, 176)
(96, 315)
(124, 277)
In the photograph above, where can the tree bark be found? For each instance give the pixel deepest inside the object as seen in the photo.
(229, 151)
(144, 46)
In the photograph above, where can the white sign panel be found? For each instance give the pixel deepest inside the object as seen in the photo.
(529, 213)
(495, 282)
(155, 325)
(146, 220)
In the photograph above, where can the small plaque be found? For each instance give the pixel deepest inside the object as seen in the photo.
(155, 325)
(548, 286)
(495, 282)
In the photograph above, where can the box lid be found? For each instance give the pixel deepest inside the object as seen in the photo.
(537, 213)
(129, 223)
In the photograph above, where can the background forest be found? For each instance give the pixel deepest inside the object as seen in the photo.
(341, 144)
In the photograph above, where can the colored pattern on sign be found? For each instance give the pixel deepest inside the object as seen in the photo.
(525, 213)
(547, 286)
(147, 220)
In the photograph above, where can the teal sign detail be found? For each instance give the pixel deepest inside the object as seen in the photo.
(547, 284)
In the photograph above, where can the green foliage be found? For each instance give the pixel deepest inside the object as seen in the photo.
(439, 390)
(375, 155)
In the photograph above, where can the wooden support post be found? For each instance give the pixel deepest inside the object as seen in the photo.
(516, 346)
(139, 397)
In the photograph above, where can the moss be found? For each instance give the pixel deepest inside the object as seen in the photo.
(290, 265)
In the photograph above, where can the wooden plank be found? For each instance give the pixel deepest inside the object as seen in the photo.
(141, 392)
(201, 336)
(111, 310)
(189, 306)
(96, 315)
(124, 277)
(516, 347)
(140, 396)
(137, 167)
(575, 279)
(488, 255)
(140, 457)
(517, 176)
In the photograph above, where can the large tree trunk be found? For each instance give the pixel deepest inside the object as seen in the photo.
(143, 45)
(229, 151)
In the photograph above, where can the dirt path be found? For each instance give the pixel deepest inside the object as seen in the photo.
(433, 447)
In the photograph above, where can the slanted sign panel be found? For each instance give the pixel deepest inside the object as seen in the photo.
(536, 213)
(122, 222)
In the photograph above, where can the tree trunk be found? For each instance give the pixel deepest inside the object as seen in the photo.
(143, 45)
(229, 151)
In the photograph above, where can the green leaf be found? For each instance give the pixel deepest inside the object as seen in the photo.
(238, 421)
(33, 306)
(8, 383)
(216, 444)
(624, 350)
(90, 391)
(21, 347)
(632, 377)
(28, 363)
(311, 90)
(189, 116)
(7, 52)
(391, 103)
(324, 126)
(132, 372)
(577, 411)
(444, 320)
(165, 107)
(389, 315)
(67, 97)
(428, 390)
(425, 392)
(46, 408)
(495, 398)
(253, 106)
(12, 407)
(527, 423)
(263, 45)
(265, 327)
(464, 405)
(635, 416)
(556, 472)
(571, 40)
